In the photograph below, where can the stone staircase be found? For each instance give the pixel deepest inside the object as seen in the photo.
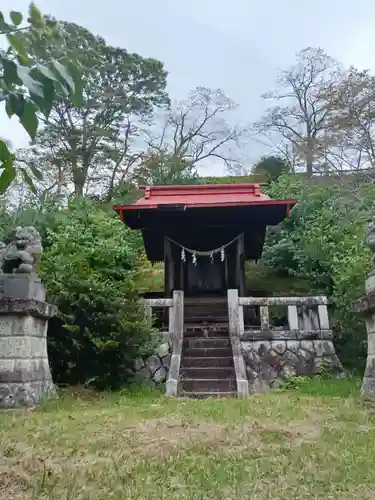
(207, 368)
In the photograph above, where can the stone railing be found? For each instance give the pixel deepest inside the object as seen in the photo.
(266, 354)
(307, 318)
(150, 304)
(175, 334)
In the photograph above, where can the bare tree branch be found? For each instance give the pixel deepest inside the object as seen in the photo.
(304, 91)
(197, 129)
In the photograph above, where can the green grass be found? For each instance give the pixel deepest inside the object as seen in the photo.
(316, 441)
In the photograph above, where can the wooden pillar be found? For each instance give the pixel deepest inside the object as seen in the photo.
(231, 266)
(226, 277)
(168, 268)
(178, 266)
(240, 265)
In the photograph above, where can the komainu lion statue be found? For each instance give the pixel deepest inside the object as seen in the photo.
(23, 252)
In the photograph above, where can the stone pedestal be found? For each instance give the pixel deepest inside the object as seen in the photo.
(25, 377)
(367, 306)
(368, 382)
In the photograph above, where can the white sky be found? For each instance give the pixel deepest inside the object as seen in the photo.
(236, 46)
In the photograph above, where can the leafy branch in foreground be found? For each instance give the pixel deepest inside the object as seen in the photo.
(29, 88)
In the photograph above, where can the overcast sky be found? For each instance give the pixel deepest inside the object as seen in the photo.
(236, 46)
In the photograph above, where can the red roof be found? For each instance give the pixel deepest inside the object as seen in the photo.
(203, 196)
(196, 215)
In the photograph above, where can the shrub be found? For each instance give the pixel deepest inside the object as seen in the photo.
(90, 264)
(323, 241)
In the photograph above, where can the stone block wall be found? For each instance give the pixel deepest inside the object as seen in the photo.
(154, 369)
(268, 363)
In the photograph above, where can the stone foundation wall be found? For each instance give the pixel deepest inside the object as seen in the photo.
(154, 369)
(268, 363)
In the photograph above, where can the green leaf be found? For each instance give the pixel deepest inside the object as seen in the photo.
(7, 177)
(29, 119)
(10, 75)
(15, 105)
(18, 45)
(35, 15)
(45, 103)
(77, 96)
(36, 172)
(47, 72)
(61, 88)
(28, 180)
(64, 74)
(8, 109)
(4, 27)
(28, 81)
(49, 94)
(5, 155)
(16, 17)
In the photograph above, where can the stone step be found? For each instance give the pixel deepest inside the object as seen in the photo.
(206, 332)
(206, 362)
(206, 308)
(208, 385)
(205, 372)
(206, 342)
(206, 352)
(204, 395)
(205, 299)
(211, 319)
(202, 324)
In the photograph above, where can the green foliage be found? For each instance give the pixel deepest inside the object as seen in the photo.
(90, 264)
(323, 241)
(164, 169)
(95, 142)
(27, 86)
(324, 386)
(270, 168)
(233, 179)
(269, 281)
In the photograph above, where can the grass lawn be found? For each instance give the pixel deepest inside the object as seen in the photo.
(316, 441)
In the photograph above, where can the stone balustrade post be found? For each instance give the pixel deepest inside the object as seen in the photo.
(236, 329)
(177, 320)
(233, 312)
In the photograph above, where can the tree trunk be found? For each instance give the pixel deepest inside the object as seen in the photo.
(78, 180)
(309, 158)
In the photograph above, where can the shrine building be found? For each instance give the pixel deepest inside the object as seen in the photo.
(204, 233)
(218, 339)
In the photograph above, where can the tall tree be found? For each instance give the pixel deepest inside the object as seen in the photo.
(301, 113)
(30, 88)
(353, 124)
(198, 129)
(95, 145)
